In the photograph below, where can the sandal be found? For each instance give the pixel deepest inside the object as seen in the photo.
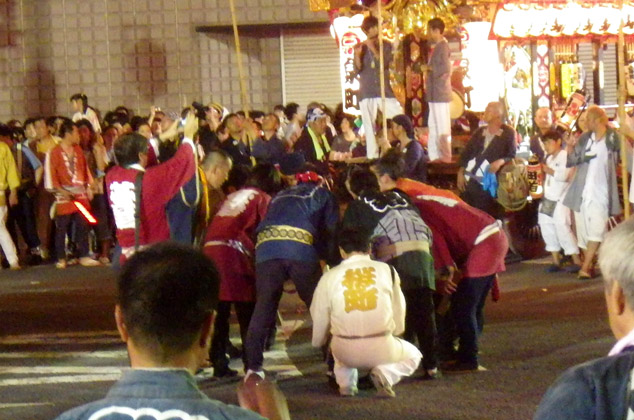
(582, 275)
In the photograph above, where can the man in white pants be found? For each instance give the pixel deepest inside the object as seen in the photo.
(438, 93)
(361, 304)
(367, 65)
(554, 218)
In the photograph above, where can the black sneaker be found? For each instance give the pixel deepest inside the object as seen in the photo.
(233, 351)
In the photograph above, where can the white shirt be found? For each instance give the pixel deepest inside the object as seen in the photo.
(596, 187)
(626, 341)
(357, 298)
(556, 185)
(91, 116)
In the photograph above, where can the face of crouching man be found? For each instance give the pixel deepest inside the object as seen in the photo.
(617, 267)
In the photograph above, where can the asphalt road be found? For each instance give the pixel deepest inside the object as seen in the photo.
(59, 348)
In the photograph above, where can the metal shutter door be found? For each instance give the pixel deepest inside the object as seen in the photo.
(586, 57)
(310, 68)
(610, 75)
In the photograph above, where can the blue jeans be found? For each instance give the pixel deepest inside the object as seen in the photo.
(467, 304)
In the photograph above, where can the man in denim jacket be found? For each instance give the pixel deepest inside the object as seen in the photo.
(602, 388)
(165, 314)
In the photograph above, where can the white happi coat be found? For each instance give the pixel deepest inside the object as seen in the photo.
(361, 304)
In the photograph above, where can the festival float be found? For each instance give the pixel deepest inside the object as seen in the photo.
(527, 54)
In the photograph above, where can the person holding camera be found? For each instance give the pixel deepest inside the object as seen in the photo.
(138, 196)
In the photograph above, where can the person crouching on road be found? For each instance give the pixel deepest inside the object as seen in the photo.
(230, 243)
(360, 302)
(295, 235)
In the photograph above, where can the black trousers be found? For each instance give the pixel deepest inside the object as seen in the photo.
(420, 323)
(23, 215)
(270, 277)
(218, 352)
(62, 225)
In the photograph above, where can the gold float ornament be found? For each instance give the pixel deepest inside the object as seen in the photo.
(319, 5)
(412, 15)
(326, 5)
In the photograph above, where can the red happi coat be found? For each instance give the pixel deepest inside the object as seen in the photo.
(230, 242)
(69, 173)
(456, 228)
(160, 183)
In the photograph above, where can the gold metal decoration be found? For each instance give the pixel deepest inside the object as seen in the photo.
(319, 5)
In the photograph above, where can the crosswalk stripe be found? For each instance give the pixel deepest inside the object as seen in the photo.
(24, 404)
(115, 354)
(276, 360)
(58, 380)
(63, 340)
(48, 370)
(78, 337)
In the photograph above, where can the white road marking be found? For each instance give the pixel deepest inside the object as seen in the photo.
(87, 337)
(278, 359)
(115, 354)
(58, 380)
(24, 404)
(52, 370)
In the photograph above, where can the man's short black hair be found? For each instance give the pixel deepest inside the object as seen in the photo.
(128, 147)
(66, 127)
(137, 121)
(85, 123)
(255, 114)
(392, 164)
(290, 110)
(265, 177)
(33, 120)
(437, 24)
(113, 118)
(552, 135)
(5, 131)
(354, 240)
(165, 293)
(362, 180)
(80, 97)
(237, 178)
(51, 121)
(368, 23)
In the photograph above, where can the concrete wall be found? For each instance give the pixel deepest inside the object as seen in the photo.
(136, 53)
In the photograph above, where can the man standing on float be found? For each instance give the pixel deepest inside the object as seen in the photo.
(438, 93)
(367, 63)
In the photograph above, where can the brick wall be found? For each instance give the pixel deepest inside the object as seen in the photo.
(136, 53)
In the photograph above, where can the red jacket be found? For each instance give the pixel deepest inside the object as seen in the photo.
(160, 183)
(230, 242)
(71, 174)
